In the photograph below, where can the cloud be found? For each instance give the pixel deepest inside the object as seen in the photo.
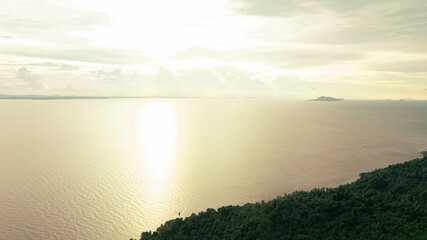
(90, 54)
(377, 25)
(304, 57)
(223, 81)
(204, 81)
(56, 66)
(290, 83)
(415, 66)
(38, 20)
(278, 57)
(242, 83)
(286, 8)
(32, 79)
(274, 8)
(185, 83)
(114, 76)
(117, 81)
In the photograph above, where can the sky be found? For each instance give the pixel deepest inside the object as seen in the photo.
(241, 48)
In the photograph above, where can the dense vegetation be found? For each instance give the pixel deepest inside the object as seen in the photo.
(388, 203)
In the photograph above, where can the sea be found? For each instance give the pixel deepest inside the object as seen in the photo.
(113, 168)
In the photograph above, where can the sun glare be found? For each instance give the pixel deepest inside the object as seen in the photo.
(158, 133)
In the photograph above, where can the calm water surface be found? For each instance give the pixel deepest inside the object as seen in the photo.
(110, 169)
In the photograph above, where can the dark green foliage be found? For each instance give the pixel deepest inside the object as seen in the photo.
(388, 203)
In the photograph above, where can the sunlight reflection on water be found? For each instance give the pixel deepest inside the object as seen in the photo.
(157, 124)
(158, 135)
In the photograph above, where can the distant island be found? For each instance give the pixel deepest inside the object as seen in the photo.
(389, 203)
(327, 99)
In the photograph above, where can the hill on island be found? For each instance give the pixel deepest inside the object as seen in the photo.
(388, 203)
(327, 99)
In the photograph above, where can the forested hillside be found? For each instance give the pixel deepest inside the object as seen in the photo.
(388, 203)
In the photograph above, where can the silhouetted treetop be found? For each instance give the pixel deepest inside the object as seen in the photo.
(388, 203)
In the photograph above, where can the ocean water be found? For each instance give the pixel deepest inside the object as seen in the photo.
(110, 169)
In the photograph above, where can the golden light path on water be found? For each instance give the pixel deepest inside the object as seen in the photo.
(158, 135)
(157, 124)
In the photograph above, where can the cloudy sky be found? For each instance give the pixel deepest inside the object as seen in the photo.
(283, 48)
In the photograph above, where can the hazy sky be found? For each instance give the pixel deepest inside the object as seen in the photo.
(287, 48)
